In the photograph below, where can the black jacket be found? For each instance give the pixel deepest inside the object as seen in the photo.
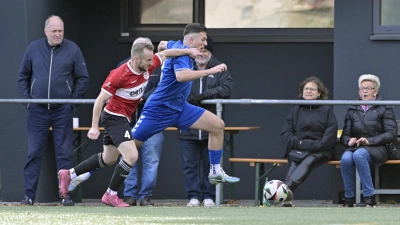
(316, 128)
(381, 121)
(49, 72)
(213, 86)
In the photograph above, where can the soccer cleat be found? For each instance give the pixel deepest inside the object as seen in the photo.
(113, 200)
(208, 203)
(64, 180)
(67, 201)
(26, 201)
(222, 178)
(78, 180)
(146, 202)
(193, 203)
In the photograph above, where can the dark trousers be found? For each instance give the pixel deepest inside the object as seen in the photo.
(299, 172)
(196, 167)
(39, 121)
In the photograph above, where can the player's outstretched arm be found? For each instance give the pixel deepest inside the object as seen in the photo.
(188, 75)
(94, 132)
(174, 52)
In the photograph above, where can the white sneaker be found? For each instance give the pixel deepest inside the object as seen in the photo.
(208, 203)
(193, 203)
(78, 180)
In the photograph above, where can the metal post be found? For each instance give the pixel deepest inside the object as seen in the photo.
(219, 191)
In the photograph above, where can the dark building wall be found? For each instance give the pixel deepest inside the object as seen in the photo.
(22, 22)
(13, 129)
(260, 70)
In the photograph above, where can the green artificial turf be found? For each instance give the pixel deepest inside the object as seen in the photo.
(200, 215)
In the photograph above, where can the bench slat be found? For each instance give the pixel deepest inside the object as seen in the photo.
(284, 161)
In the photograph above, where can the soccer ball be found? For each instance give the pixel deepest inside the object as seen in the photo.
(275, 192)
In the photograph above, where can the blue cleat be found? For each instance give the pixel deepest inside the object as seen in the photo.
(223, 178)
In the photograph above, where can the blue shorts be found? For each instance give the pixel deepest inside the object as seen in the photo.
(156, 119)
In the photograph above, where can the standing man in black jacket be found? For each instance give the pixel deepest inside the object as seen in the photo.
(52, 68)
(194, 143)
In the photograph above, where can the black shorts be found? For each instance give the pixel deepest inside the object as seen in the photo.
(116, 129)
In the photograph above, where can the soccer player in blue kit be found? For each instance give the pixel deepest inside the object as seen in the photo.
(168, 105)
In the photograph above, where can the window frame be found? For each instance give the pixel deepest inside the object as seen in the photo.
(158, 32)
(381, 32)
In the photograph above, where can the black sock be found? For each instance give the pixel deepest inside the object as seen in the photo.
(120, 173)
(94, 162)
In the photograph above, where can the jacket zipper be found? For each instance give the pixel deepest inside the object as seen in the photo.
(200, 92)
(68, 87)
(48, 88)
(33, 82)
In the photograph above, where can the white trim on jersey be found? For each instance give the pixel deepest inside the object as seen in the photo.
(133, 93)
(116, 114)
(180, 69)
(106, 91)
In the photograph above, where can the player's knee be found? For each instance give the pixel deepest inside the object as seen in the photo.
(110, 161)
(220, 125)
(131, 158)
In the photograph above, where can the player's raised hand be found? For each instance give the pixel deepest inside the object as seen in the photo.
(219, 68)
(194, 52)
(93, 133)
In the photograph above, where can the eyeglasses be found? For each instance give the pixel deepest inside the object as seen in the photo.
(310, 89)
(367, 88)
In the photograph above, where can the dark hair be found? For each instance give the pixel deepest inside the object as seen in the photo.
(209, 45)
(194, 28)
(321, 87)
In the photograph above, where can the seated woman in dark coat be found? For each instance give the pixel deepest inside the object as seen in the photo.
(311, 131)
(366, 142)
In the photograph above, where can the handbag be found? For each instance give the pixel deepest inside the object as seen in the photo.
(393, 148)
(298, 156)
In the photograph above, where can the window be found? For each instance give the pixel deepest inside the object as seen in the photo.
(159, 12)
(230, 20)
(386, 20)
(269, 14)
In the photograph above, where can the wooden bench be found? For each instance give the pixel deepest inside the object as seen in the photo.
(262, 176)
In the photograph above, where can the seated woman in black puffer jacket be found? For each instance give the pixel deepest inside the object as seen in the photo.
(366, 131)
(309, 131)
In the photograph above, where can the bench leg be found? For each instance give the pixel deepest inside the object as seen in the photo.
(376, 182)
(257, 193)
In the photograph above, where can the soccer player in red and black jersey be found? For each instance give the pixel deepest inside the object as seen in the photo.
(123, 90)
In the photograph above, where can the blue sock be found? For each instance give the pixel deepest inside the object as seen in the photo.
(215, 156)
(215, 160)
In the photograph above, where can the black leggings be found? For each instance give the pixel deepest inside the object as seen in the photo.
(299, 172)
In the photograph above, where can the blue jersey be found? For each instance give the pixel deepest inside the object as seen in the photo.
(171, 93)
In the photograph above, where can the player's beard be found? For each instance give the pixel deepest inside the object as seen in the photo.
(143, 68)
